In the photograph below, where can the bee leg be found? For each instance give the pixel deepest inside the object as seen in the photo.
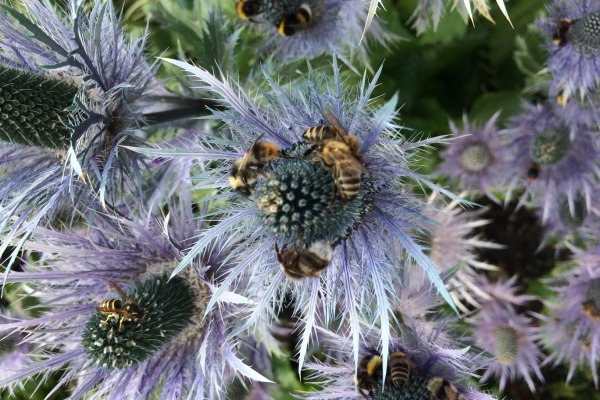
(310, 150)
(121, 324)
(335, 193)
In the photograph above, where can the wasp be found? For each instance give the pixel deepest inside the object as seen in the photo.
(125, 309)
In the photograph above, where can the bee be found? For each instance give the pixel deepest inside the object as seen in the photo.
(560, 35)
(127, 311)
(340, 152)
(246, 170)
(441, 389)
(591, 310)
(247, 9)
(533, 172)
(400, 366)
(299, 263)
(291, 23)
(370, 372)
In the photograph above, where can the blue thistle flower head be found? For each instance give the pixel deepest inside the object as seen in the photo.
(116, 323)
(573, 43)
(570, 330)
(431, 368)
(511, 339)
(295, 210)
(476, 157)
(73, 89)
(553, 157)
(309, 28)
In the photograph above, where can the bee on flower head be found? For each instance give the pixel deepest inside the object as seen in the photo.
(339, 151)
(287, 18)
(369, 374)
(125, 309)
(246, 170)
(298, 263)
(560, 36)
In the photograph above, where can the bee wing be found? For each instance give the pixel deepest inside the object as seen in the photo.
(248, 153)
(336, 124)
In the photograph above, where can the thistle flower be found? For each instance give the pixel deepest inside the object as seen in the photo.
(73, 90)
(511, 339)
(573, 42)
(328, 26)
(500, 293)
(571, 329)
(476, 157)
(432, 367)
(556, 158)
(116, 323)
(296, 207)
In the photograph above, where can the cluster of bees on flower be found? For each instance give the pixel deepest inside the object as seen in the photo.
(339, 152)
(400, 367)
(287, 23)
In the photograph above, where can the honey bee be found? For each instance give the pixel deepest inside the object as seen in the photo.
(247, 9)
(246, 170)
(299, 20)
(400, 366)
(299, 263)
(533, 172)
(369, 374)
(560, 35)
(340, 152)
(126, 312)
(443, 390)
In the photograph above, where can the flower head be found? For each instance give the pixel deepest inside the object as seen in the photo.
(571, 330)
(73, 89)
(573, 41)
(476, 157)
(332, 218)
(308, 28)
(555, 159)
(417, 367)
(511, 339)
(116, 323)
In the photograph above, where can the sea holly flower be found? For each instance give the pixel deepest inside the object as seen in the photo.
(573, 43)
(432, 368)
(73, 90)
(114, 321)
(308, 28)
(570, 329)
(511, 339)
(293, 207)
(553, 157)
(476, 157)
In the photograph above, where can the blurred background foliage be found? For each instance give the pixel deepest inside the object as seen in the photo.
(438, 76)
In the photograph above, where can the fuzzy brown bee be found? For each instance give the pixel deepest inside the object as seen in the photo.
(246, 170)
(124, 309)
(299, 263)
(340, 152)
(441, 389)
(560, 36)
(291, 23)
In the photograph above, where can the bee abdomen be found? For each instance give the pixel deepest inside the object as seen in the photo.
(319, 133)
(400, 368)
